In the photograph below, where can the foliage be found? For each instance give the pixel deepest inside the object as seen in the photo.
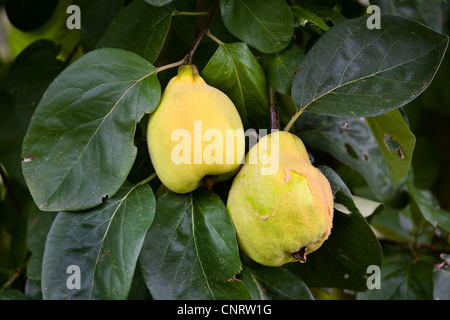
(77, 185)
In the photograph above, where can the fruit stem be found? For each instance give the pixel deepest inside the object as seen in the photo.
(184, 13)
(212, 12)
(148, 179)
(294, 118)
(171, 65)
(209, 34)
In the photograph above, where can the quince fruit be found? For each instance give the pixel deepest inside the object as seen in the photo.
(280, 204)
(195, 135)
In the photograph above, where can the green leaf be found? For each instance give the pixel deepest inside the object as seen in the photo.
(158, 3)
(341, 263)
(303, 16)
(80, 139)
(354, 71)
(190, 251)
(266, 25)
(392, 225)
(403, 277)
(103, 242)
(329, 15)
(234, 70)
(430, 211)
(365, 206)
(395, 140)
(350, 141)
(139, 28)
(267, 283)
(282, 66)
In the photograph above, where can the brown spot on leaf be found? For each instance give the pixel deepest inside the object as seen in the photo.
(233, 279)
(344, 127)
(28, 159)
(393, 145)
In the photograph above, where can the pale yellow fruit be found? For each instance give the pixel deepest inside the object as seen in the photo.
(195, 132)
(284, 216)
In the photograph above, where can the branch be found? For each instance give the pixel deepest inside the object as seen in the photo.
(212, 12)
(72, 53)
(11, 280)
(274, 113)
(9, 190)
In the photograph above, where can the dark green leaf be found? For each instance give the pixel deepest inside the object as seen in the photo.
(350, 141)
(234, 70)
(96, 15)
(429, 12)
(33, 289)
(341, 263)
(395, 140)
(26, 81)
(282, 66)
(139, 290)
(39, 224)
(29, 76)
(354, 71)
(14, 202)
(267, 283)
(12, 294)
(139, 28)
(266, 25)
(80, 139)
(10, 137)
(403, 277)
(430, 211)
(190, 251)
(158, 3)
(441, 279)
(103, 242)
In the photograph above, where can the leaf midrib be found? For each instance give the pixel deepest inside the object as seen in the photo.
(62, 179)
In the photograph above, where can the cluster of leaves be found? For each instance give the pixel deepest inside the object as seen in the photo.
(78, 188)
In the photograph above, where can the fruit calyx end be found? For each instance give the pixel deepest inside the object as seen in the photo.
(300, 255)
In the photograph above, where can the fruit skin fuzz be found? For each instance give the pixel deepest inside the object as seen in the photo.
(188, 110)
(281, 217)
